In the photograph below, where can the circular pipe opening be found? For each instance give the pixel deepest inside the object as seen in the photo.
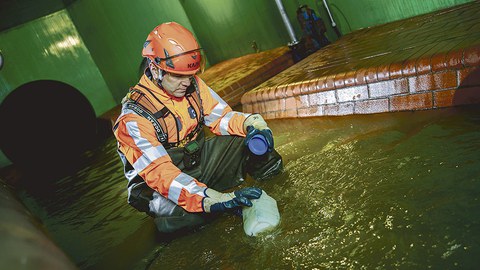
(46, 124)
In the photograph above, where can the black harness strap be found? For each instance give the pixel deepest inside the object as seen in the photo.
(151, 93)
(161, 135)
(162, 113)
(199, 103)
(164, 109)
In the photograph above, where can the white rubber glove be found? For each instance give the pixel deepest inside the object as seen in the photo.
(256, 121)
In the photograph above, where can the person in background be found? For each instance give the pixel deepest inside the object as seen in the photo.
(175, 174)
(313, 28)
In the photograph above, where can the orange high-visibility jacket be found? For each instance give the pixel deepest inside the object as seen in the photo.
(138, 143)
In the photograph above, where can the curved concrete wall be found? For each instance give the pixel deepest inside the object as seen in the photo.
(24, 245)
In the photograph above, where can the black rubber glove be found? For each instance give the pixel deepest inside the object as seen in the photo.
(267, 133)
(221, 202)
(254, 124)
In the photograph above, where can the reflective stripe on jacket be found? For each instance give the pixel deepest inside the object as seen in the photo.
(138, 143)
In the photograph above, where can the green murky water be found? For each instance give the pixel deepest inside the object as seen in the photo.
(388, 191)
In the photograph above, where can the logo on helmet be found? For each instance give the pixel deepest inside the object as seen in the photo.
(193, 65)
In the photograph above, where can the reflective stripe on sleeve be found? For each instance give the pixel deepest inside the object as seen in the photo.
(126, 111)
(225, 122)
(217, 111)
(149, 152)
(130, 174)
(184, 181)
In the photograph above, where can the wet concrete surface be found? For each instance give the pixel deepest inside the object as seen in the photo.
(424, 62)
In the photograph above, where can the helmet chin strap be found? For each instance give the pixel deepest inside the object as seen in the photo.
(160, 75)
(157, 74)
(159, 78)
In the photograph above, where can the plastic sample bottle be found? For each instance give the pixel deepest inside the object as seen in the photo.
(258, 145)
(262, 216)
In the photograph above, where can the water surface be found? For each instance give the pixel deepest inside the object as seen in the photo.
(380, 191)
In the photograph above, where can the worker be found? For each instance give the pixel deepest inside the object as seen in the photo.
(313, 28)
(175, 173)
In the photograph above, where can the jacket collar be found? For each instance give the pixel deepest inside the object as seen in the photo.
(147, 82)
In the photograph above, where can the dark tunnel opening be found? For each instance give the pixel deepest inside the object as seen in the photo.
(46, 125)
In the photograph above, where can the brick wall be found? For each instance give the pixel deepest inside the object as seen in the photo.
(437, 81)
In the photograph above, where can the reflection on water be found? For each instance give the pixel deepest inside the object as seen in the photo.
(359, 192)
(87, 213)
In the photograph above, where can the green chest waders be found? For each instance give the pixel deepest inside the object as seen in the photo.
(224, 163)
(221, 162)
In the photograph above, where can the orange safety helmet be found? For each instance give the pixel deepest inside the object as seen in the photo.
(173, 48)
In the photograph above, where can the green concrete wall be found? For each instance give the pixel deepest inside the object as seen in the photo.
(114, 32)
(351, 15)
(50, 48)
(103, 38)
(29, 10)
(227, 29)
